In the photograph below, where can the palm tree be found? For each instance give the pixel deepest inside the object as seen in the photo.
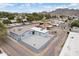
(3, 32)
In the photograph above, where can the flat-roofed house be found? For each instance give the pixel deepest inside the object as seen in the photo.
(39, 31)
(19, 33)
(57, 22)
(32, 37)
(5, 18)
(24, 20)
(13, 21)
(71, 47)
(75, 29)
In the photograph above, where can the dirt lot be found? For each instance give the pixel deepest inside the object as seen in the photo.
(13, 48)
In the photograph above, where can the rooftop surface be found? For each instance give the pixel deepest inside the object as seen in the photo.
(37, 41)
(39, 29)
(21, 30)
(75, 29)
(71, 47)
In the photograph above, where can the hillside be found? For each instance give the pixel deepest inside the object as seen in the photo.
(70, 12)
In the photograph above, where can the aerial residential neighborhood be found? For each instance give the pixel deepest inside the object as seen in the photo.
(37, 30)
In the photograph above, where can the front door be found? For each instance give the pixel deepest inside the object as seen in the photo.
(33, 32)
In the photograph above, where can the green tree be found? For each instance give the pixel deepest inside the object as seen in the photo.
(3, 32)
(19, 20)
(37, 16)
(62, 16)
(6, 21)
(75, 23)
(48, 16)
(54, 16)
(10, 17)
(30, 18)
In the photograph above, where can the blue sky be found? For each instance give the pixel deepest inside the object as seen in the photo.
(35, 7)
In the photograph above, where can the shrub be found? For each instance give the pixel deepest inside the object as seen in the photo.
(75, 23)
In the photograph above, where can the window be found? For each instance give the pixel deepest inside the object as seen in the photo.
(33, 32)
(23, 35)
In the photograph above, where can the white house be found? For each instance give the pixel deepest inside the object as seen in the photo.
(13, 21)
(75, 17)
(5, 18)
(75, 29)
(24, 20)
(57, 22)
(35, 37)
(19, 33)
(71, 47)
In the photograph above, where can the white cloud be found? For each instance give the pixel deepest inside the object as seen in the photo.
(60, 7)
(26, 5)
(48, 8)
(73, 4)
(4, 5)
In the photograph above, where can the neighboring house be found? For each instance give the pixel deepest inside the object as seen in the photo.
(75, 29)
(15, 18)
(46, 26)
(44, 18)
(71, 48)
(75, 17)
(24, 20)
(13, 21)
(1, 21)
(5, 18)
(57, 22)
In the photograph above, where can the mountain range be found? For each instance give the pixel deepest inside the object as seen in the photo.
(67, 12)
